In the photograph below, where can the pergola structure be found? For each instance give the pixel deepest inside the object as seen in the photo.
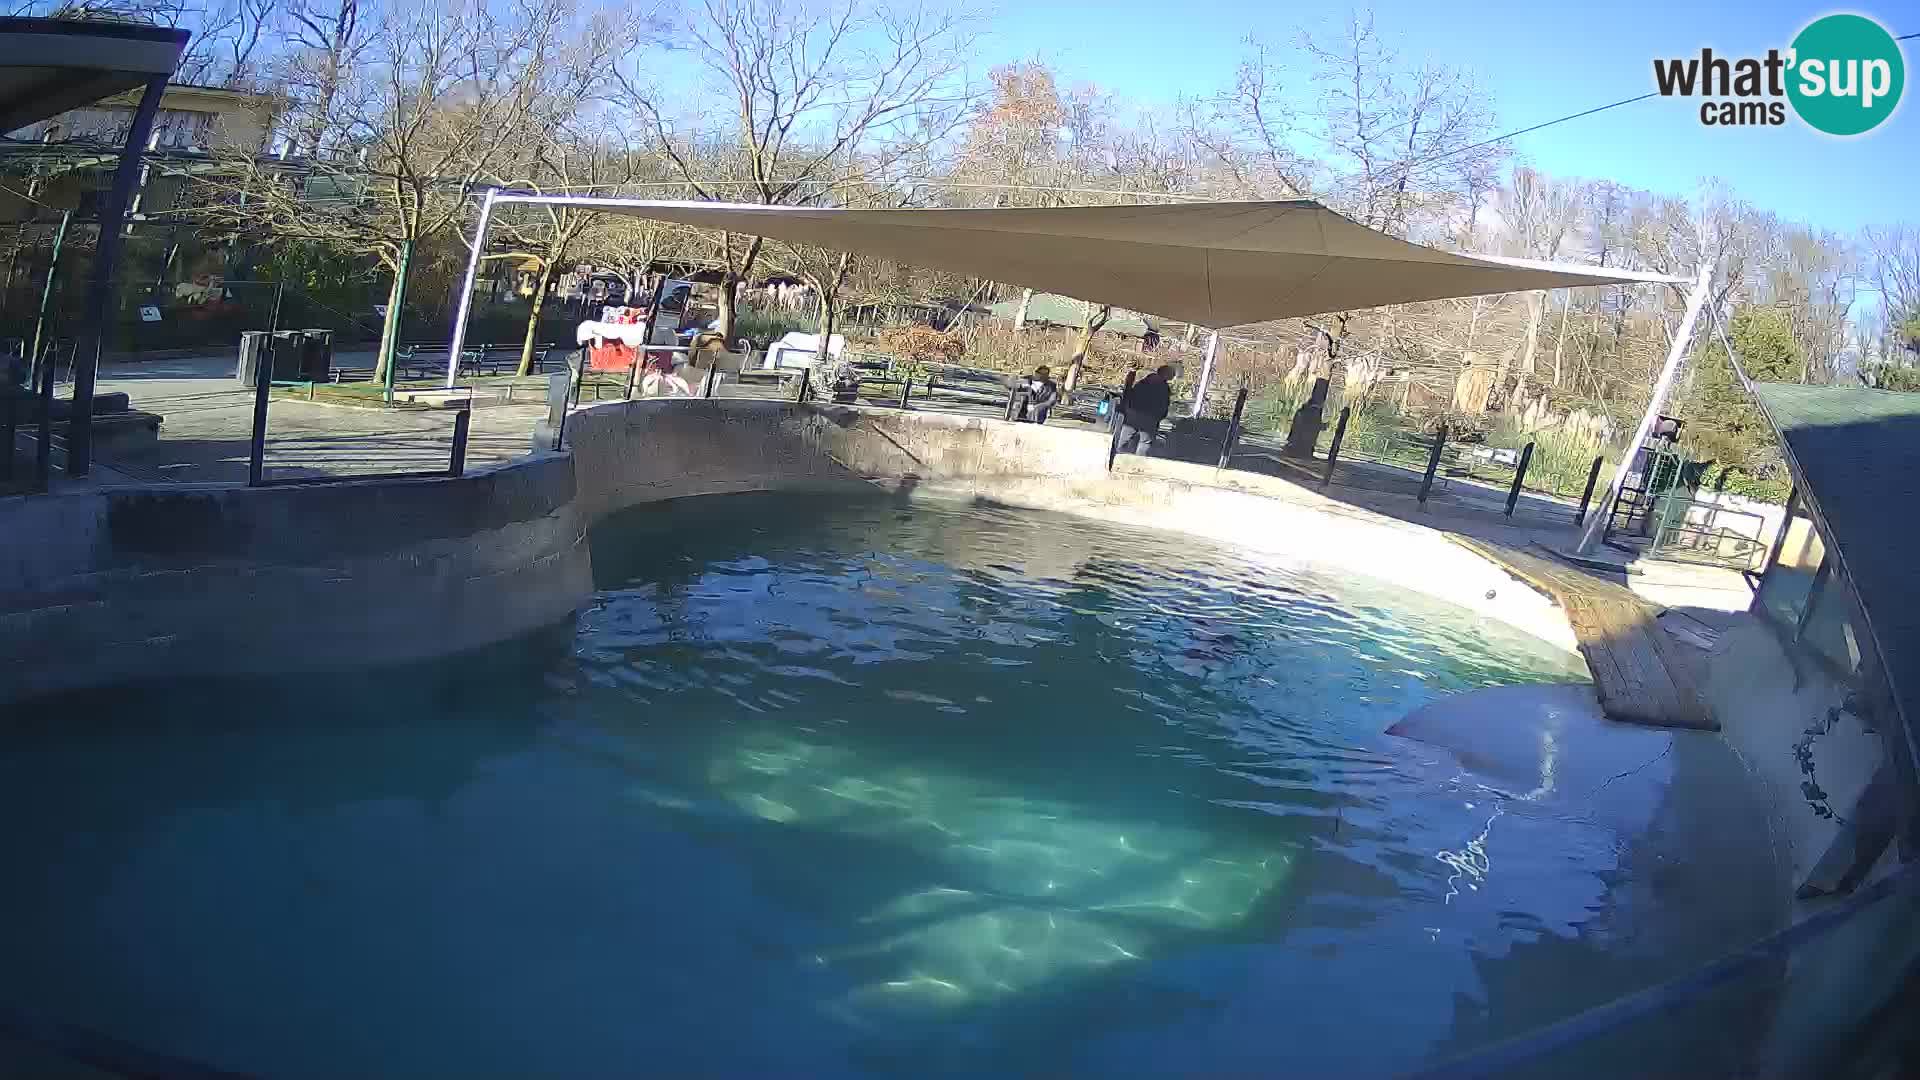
(1214, 264)
(48, 66)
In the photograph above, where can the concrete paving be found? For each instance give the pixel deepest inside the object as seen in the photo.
(207, 423)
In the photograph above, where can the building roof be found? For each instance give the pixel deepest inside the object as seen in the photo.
(1855, 457)
(48, 66)
(1216, 264)
(1066, 311)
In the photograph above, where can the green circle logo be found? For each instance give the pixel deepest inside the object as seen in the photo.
(1846, 75)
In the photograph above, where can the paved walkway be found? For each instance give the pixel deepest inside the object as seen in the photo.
(207, 423)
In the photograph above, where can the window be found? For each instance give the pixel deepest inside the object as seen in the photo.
(1805, 596)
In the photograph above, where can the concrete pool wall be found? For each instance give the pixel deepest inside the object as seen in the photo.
(106, 587)
(103, 587)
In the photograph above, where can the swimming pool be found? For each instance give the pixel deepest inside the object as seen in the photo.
(846, 789)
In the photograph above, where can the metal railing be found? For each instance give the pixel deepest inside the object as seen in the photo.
(263, 385)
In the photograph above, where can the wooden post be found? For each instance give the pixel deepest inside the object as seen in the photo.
(1519, 477)
(1433, 463)
(1586, 497)
(1233, 426)
(1333, 451)
(906, 387)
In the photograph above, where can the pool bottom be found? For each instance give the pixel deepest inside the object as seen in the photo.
(877, 792)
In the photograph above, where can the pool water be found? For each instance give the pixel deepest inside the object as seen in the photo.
(828, 789)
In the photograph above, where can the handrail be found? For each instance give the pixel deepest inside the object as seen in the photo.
(263, 384)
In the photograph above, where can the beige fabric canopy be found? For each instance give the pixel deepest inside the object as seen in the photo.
(1217, 264)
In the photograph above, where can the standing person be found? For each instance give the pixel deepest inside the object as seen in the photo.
(1142, 409)
(665, 366)
(1042, 394)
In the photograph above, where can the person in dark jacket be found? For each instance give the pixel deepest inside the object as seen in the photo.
(1042, 395)
(1142, 409)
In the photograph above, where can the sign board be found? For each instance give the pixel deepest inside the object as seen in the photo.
(149, 313)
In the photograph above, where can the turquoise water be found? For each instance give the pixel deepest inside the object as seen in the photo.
(862, 790)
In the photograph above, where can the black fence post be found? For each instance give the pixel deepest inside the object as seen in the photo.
(1433, 463)
(262, 388)
(1113, 448)
(1013, 396)
(1586, 497)
(10, 427)
(713, 376)
(43, 454)
(580, 373)
(1333, 451)
(1519, 477)
(1233, 427)
(457, 463)
(805, 375)
(906, 387)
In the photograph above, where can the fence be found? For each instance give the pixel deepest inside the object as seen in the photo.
(263, 385)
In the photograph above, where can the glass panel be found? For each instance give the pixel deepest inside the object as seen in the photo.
(1829, 626)
(1783, 594)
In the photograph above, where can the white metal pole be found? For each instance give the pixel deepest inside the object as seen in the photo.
(466, 291)
(1206, 373)
(1597, 517)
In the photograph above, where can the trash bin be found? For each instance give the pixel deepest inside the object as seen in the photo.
(289, 360)
(318, 356)
(253, 345)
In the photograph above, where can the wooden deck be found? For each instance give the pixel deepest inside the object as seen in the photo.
(1639, 675)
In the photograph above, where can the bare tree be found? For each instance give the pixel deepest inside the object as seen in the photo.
(426, 112)
(1895, 251)
(815, 95)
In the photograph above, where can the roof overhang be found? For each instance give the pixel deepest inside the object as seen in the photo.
(1217, 264)
(48, 66)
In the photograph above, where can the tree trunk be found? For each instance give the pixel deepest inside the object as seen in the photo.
(390, 329)
(533, 318)
(1560, 342)
(829, 297)
(1081, 344)
(729, 298)
(1020, 313)
(1530, 348)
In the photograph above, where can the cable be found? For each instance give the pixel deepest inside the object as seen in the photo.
(1410, 166)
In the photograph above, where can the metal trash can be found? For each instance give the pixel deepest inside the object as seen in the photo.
(317, 357)
(253, 346)
(289, 360)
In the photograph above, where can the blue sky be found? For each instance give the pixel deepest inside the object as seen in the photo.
(1536, 60)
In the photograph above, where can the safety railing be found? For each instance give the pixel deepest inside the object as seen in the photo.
(30, 407)
(257, 442)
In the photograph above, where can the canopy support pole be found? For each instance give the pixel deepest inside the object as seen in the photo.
(1597, 521)
(100, 307)
(459, 339)
(1206, 374)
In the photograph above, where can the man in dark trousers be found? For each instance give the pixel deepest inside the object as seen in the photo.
(1142, 409)
(1042, 395)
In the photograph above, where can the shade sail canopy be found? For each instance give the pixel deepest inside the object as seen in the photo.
(1217, 264)
(48, 66)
